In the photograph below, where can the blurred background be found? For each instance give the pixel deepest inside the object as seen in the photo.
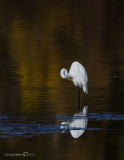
(39, 38)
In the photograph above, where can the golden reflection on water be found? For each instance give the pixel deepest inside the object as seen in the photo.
(37, 51)
(41, 48)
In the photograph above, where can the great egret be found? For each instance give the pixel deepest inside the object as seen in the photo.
(78, 75)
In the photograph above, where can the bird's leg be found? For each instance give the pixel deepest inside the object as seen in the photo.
(78, 105)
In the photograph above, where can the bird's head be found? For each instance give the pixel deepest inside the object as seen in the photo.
(64, 73)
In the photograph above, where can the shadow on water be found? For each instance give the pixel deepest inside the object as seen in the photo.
(75, 124)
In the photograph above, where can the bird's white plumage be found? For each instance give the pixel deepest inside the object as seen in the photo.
(64, 73)
(77, 74)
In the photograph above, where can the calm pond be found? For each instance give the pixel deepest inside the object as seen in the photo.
(38, 109)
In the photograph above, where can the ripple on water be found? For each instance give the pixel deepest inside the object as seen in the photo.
(28, 127)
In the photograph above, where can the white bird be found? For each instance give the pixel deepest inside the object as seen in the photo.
(77, 74)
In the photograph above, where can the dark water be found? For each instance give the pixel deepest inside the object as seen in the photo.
(37, 39)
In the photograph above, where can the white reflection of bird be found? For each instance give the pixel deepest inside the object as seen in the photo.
(77, 125)
(78, 75)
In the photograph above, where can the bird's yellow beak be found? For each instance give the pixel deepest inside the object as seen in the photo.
(69, 79)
